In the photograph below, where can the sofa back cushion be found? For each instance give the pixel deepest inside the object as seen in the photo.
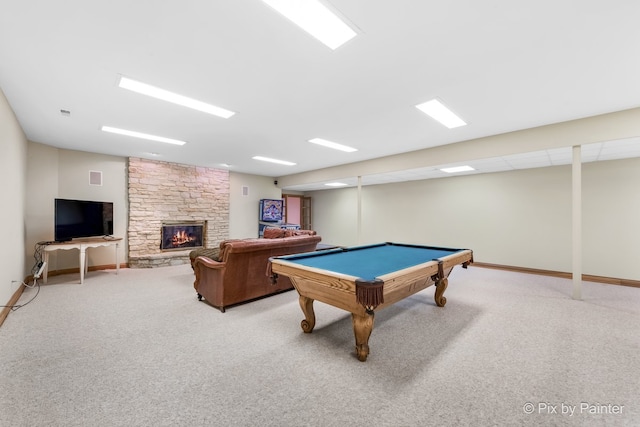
(273, 233)
(281, 246)
(278, 233)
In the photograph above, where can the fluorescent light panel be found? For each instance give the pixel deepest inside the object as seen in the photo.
(174, 98)
(336, 184)
(267, 159)
(316, 19)
(436, 110)
(142, 135)
(458, 169)
(333, 145)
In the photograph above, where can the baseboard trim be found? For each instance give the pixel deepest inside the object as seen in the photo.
(14, 299)
(561, 274)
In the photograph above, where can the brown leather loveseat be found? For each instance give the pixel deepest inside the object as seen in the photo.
(240, 272)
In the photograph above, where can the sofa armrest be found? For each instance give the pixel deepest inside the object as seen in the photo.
(207, 269)
(208, 262)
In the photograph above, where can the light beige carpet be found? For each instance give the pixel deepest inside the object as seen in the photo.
(139, 349)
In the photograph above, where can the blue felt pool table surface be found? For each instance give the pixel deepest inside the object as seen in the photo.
(371, 261)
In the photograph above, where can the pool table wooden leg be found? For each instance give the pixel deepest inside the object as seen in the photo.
(362, 327)
(310, 317)
(441, 286)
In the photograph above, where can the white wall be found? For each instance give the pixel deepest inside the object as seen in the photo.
(13, 165)
(244, 210)
(611, 211)
(519, 218)
(57, 173)
(334, 216)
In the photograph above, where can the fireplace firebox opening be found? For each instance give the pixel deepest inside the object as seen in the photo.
(183, 235)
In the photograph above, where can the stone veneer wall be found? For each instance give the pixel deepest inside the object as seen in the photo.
(161, 191)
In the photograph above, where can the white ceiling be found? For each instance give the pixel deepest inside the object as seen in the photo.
(501, 65)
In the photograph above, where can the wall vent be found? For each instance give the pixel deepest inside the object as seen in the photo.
(245, 190)
(95, 178)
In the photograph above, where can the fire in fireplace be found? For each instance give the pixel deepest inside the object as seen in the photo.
(182, 236)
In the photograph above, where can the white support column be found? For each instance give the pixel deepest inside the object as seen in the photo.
(359, 210)
(576, 173)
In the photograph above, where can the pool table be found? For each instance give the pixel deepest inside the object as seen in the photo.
(363, 279)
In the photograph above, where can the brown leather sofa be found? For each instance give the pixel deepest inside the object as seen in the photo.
(240, 272)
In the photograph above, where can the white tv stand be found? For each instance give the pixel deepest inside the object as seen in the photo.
(82, 245)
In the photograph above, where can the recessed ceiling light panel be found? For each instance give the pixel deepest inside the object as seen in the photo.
(316, 19)
(333, 145)
(437, 111)
(336, 184)
(174, 98)
(142, 135)
(457, 169)
(268, 159)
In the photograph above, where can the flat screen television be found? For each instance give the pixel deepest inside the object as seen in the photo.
(82, 218)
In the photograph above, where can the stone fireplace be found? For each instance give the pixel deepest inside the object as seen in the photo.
(164, 195)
